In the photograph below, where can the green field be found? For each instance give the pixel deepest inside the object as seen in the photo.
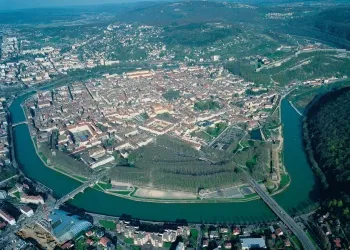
(312, 239)
(17, 194)
(217, 130)
(129, 240)
(203, 135)
(81, 244)
(194, 233)
(295, 240)
(206, 105)
(6, 172)
(305, 66)
(105, 185)
(167, 245)
(134, 247)
(107, 224)
(285, 179)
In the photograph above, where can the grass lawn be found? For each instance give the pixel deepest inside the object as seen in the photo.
(167, 244)
(17, 194)
(108, 224)
(105, 185)
(247, 143)
(204, 136)
(129, 240)
(133, 247)
(312, 239)
(6, 173)
(295, 240)
(43, 157)
(248, 196)
(81, 244)
(194, 233)
(285, 179)
(217, 130)
(133, 192)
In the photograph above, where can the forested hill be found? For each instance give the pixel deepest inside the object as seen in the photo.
(327, 137)
(335, 22)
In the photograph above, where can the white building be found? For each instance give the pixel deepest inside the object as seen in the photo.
(32, 199)
(215, 58)
(250, 243)
(103, 162)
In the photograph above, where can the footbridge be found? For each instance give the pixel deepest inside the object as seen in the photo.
(81, 188)
(279, 211)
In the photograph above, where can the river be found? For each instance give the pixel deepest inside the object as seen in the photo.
(300, 196)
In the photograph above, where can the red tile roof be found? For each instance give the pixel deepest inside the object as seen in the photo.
(337, 242)
(89, 242)
(104, 241)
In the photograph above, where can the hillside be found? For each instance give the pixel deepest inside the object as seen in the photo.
(192, 12)
(335, 22)
(327, 137)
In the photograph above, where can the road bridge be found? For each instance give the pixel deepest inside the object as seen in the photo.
(279, 211)
(81, 188)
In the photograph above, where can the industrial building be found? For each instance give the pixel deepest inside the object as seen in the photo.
(66, 226)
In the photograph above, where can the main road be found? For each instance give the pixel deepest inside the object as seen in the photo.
(279, 211)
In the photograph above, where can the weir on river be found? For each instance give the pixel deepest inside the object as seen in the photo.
(296, 110)
(299, 197)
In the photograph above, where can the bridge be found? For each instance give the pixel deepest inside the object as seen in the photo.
(279, 211)
(81, 188)
(19, 123)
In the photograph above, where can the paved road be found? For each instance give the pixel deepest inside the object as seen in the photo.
(199, 239)
(287, 233)
(293, 226)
